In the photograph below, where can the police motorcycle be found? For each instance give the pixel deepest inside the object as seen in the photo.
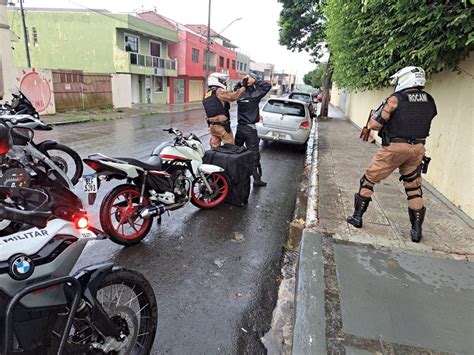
(169, 179)
(100, 309)
(22, 113)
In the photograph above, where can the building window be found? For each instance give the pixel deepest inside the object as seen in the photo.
(131, 43)
(228, 63)
(35, 35)
(233, 64)
(155, 49)
(245, 66)
(195, 55)
(221, 62)
(158, 83)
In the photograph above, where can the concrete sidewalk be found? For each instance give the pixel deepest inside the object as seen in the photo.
(371, 290)
(343, 158)
(138, 110)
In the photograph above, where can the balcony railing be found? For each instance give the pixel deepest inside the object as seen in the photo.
(152, 62)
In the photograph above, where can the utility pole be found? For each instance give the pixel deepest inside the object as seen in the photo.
(28, 60)
(208, 47)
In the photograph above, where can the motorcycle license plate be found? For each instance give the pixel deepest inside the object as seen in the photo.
(89, 183)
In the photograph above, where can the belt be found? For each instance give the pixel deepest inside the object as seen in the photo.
(218, 123)
(409, 141)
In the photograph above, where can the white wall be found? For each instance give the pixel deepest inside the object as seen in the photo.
(122, 90)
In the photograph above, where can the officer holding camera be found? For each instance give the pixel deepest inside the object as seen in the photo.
(248, 114)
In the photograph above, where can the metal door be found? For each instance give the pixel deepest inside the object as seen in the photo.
(179, 91)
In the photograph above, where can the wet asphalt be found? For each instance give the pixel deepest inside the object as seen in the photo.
(215, 273)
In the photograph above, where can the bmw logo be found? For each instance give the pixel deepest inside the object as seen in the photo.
(21, 267)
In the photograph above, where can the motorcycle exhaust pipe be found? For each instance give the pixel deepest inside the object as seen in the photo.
(153, 211)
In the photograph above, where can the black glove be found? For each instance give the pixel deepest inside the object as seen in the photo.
(245, 82)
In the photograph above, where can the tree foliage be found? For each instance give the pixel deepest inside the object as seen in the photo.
(301, 26)
(370, 40)
(315, 78)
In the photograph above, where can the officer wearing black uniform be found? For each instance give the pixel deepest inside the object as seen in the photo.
(403, 121)
(248, 114)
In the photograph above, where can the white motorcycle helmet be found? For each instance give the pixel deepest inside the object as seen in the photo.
(217, 79)
(408, 77)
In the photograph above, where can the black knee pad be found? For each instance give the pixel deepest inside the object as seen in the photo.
(362, 180)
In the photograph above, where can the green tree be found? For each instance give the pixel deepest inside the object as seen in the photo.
(371, 39)
(302, 28)
(316, 77)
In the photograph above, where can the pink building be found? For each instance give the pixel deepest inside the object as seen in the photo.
(190, 51)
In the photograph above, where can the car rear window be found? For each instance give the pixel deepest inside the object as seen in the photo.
(301, 97)
(285, 108)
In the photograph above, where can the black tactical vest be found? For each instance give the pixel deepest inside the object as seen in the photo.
(213, 106)
(413, 115)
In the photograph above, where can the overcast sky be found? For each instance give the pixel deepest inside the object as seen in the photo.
(256, 34)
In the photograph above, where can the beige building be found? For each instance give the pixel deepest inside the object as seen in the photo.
(451, 141)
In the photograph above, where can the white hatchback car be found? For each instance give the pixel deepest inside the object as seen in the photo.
(284, 120)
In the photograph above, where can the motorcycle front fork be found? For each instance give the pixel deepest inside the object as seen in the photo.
(204, 179)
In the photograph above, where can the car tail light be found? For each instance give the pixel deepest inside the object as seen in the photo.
(304, 125)
(82, 222)
(261, 119)
(93, 164)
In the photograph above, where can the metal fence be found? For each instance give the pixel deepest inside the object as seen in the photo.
(153, 62)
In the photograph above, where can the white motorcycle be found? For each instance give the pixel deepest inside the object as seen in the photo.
(169, 179)
(100, 309)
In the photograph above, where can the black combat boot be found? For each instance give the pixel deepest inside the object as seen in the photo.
(257, 177)
(360, 206)
(416, 218)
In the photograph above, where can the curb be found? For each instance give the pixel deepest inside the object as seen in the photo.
(146, 114)
(313, 188)
(309, 332)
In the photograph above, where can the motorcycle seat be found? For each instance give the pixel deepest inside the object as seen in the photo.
(152, 163)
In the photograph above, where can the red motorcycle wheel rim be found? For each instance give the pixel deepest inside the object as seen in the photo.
(122, 210)
(217, 180)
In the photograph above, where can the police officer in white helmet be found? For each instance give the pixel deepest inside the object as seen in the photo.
(403, 121)
(216, 103)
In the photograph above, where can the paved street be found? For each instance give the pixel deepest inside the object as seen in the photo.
(214, 272)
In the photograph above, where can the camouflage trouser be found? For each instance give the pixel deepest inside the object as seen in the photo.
(407, 158)
(219, 136)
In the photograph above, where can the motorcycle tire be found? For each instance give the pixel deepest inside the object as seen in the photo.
(124, 199)
(129, 300)
(201, 198)
(74, 175)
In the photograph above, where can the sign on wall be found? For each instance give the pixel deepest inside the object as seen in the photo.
(37, 85)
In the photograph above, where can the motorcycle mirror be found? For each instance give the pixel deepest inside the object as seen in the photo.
(22, 133)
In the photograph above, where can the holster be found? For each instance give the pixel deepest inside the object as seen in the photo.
(226, 126)
(383, 133)
(425, 164)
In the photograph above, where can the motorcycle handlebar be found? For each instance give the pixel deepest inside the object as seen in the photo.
(34, 218)
(171, 130)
